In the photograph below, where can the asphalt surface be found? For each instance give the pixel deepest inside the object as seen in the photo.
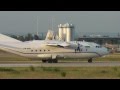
(61, 64)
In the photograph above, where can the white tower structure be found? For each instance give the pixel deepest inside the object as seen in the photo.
(60, 28)
(72, 32)
(66, 32)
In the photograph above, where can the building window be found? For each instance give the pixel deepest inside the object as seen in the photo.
(31, 50)
(36, 50)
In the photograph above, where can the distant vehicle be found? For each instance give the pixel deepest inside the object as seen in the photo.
(52, 50)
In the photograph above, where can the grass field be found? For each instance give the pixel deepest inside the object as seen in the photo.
(60, 73)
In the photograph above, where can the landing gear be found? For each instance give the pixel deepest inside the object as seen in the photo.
(44, 61)
(55, 61)
(50, 61)
(90, 60)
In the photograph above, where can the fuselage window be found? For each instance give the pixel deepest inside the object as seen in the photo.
(44, 50)
(98, 46)
(87, 46)
(48, 50)
(40, 50)
(36, 50)
(31, 50)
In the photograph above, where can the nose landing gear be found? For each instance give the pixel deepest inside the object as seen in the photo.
(90, 60)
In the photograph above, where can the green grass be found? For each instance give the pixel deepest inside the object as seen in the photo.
(32, 68)
(53, 69)
(61, 73)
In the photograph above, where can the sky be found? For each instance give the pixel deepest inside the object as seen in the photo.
(22, 22)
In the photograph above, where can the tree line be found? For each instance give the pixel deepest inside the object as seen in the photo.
(27, 37)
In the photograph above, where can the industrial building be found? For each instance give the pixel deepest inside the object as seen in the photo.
(66, 32)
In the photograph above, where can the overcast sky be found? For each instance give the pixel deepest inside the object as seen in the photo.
(84, 21)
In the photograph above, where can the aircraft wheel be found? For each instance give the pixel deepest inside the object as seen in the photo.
(55, 61)
(90, 60)
(44, 61)
(50, 61)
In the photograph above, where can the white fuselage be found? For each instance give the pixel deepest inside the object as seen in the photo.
(51, 49)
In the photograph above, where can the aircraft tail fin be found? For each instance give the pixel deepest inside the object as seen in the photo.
(5, 38)
(50, 35)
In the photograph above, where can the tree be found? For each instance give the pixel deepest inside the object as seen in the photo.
(36, 37)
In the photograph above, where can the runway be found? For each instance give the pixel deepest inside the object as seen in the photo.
(63, 64)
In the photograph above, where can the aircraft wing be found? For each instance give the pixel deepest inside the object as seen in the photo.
(52, 44)
(58, 44)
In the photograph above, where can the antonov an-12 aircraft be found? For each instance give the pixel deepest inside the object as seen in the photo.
(52, 50)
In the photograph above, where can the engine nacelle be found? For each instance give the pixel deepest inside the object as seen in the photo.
(45, 56)
(49, 56)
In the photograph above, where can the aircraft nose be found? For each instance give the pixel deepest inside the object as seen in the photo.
(105, 51)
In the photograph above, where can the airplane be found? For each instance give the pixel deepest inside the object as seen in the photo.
(49, 51)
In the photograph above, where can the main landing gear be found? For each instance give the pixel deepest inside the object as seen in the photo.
(90, 60)
(50, 61)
